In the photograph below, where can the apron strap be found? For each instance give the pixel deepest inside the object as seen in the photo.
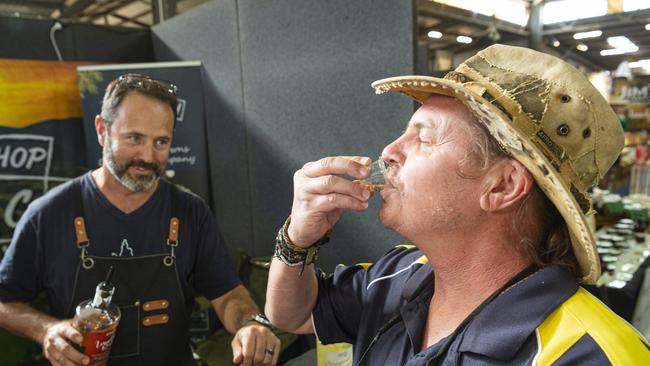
(80, 225)
(82, 238)
(174, 224)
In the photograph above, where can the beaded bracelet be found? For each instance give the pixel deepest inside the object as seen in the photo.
(293, 255)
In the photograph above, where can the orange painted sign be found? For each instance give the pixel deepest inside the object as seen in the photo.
(35, 91)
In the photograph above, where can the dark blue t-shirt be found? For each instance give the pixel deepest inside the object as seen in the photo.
(43, 254)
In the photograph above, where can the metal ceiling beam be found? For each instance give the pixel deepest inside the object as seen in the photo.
(76, 9)
(130, 20)
(54, 4)
(637, 30)
(46, 3)
(445, 30)
(163, 9)
(602, 22)
(569, 53)
(448, 12)
(535, 26)
(57, 2)
(441, 26)
(138, 16)
(115, 6)
(26, 9)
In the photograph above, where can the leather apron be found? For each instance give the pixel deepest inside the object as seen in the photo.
(154, 327)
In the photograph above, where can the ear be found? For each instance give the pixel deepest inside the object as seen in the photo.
(101, 129)
(507, 184)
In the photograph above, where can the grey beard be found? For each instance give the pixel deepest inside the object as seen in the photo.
(119, 172)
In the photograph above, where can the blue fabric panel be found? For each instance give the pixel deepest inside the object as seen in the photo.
(584, 352)
(213, 39)
(287, 82)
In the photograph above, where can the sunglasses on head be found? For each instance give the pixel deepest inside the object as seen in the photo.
(144, 82)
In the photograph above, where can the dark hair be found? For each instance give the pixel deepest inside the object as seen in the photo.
(554, 244)
(120, 87)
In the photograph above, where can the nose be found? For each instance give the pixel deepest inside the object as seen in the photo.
(146, 152)
(393, 153)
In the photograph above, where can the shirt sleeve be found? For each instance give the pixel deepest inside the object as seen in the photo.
(214, 273)
(339, 307)
(347, 309)
(19, 269)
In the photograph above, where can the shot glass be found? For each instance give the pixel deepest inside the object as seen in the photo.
(377, 178)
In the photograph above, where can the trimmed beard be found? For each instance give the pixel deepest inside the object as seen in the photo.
(120, 171)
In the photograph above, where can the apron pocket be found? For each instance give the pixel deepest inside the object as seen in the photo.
(127, 337)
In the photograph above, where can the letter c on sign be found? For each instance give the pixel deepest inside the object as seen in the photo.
(24, 195)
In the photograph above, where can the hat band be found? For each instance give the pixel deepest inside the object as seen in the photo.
(493, 94)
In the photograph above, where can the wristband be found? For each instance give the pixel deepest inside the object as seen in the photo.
(258, 318)
(292, 255)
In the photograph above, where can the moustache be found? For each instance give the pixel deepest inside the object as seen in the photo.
(143, 164)
(392, 178)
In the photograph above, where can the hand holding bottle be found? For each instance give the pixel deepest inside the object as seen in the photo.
(59, 344)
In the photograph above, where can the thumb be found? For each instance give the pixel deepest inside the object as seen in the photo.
(72, 334)
(237, 356)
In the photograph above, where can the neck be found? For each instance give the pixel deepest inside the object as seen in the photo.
(474, 260)
(467, 271)
(460, 277)
(118, 195)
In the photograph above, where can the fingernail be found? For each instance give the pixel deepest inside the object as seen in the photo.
(363, 170)
(366, 194)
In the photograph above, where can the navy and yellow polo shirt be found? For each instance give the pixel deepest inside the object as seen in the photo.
(546, 319)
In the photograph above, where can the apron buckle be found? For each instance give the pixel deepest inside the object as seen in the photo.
(86, 261)
(168, 260)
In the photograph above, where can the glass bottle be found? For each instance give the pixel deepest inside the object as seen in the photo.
(97, 320)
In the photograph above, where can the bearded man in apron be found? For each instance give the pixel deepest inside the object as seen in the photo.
(163, 242)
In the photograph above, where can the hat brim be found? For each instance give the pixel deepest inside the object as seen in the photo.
(527, 153)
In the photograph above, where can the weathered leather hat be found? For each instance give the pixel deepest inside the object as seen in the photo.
(547, 115)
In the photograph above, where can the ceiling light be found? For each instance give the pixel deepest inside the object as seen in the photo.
(555, 43)
(647, 27)
(641, 64)
(434, 34)
(582, 47)
(464, 39)
(620, 42)
(591, 34)
(612, 52)
(621, 45)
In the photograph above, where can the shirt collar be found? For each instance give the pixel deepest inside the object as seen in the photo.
(505, 324)
(417, 294)
(418, 283)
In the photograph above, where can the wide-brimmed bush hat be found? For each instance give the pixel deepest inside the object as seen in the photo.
(547, 115)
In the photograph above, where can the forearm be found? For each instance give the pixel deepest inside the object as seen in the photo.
(235, 307)
(320, 196)
(290, 296)
(23, 320)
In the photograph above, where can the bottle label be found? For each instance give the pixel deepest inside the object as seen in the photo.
(97, 345)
